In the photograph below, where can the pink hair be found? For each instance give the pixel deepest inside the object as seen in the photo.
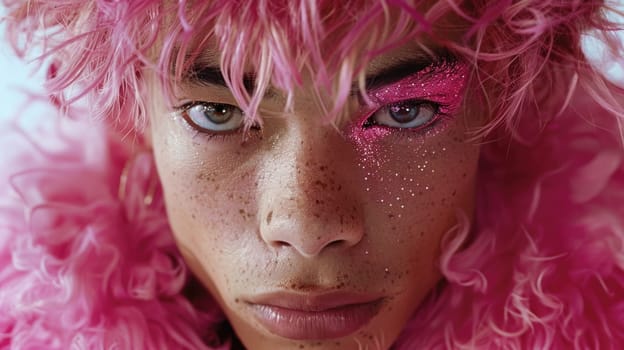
(522, 51)
(82, 266)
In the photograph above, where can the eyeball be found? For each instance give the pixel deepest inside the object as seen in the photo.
(213, 117)
(404, 114)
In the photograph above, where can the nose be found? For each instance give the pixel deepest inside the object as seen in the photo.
(307, 202)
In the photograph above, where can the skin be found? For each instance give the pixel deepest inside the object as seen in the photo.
(302, 206)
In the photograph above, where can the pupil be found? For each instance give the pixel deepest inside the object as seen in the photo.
(403, 113)
(218, 114)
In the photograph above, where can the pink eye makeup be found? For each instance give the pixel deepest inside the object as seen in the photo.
(396, 134)
(413, 105)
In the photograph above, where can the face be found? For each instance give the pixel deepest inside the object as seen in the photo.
(311, 234)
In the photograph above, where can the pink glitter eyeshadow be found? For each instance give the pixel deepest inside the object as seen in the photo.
(441, 85)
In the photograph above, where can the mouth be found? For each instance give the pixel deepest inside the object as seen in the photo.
(314, 316)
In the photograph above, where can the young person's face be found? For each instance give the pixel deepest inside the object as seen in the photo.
(311, 234)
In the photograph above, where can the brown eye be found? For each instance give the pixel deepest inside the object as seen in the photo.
(404, 115)
(213, 117)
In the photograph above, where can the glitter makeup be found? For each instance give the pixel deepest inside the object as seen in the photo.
(440, 85)
(381, 147)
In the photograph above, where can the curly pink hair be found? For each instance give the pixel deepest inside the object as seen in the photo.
(524, 53)
(81, 267)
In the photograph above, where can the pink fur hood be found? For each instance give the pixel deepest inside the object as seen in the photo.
(87, 260)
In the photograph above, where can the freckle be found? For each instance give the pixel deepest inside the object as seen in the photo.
(236, 300)
(269, 217)
(193, 216)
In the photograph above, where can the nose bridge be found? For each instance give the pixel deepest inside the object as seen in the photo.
(306, 204)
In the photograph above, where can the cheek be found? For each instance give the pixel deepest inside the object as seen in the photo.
(416, 188)
(209, 203)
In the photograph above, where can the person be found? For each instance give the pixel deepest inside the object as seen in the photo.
(392, 174)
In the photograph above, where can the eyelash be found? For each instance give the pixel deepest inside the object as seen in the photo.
(362, 124)
(185, 109)
(437, 110)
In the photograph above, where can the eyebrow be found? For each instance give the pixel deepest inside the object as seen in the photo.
(202, 75)
(407, 67)
(206, 75)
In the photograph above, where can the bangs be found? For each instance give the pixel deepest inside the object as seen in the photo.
(279, 44)
(522, 54)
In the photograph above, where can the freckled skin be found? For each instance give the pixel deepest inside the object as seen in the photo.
(301, 206)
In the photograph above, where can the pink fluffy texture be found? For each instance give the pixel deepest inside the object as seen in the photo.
(80, 268)
(83, 267)
(543, 267)
(87, 260)
(103, 50)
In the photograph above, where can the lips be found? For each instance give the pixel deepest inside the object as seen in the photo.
(314, 316)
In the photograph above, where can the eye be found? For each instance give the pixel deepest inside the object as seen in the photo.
(213, 117)
(404, 115)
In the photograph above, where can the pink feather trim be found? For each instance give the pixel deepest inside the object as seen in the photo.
(83, 266)
(80, 268)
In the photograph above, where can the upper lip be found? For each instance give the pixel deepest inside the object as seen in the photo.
(312, 301)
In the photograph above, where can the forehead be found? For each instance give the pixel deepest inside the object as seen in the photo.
(410, 51)
(311, 32)
(322, 46)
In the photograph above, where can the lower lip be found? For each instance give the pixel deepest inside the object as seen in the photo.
(315, 325)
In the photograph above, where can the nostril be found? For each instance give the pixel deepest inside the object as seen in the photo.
(281, 244)
(308, 230)
(336, 243)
